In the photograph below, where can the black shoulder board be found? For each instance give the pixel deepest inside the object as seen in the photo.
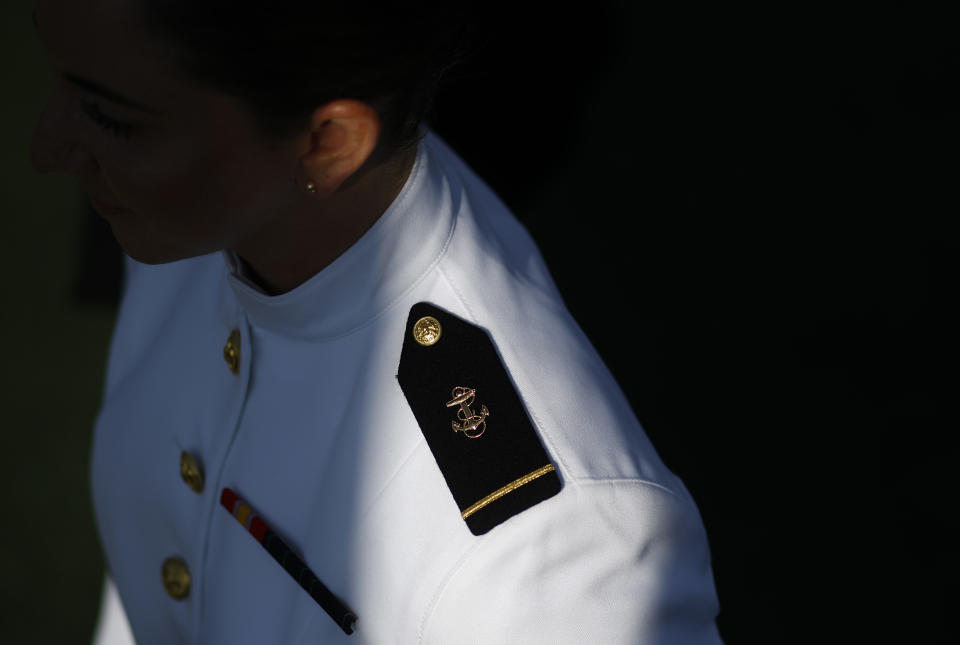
(473, 419)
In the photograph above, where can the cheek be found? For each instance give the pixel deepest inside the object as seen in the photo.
(161, 176)
(200, 198)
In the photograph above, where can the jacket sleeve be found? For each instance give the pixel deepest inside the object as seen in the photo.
(608, 562)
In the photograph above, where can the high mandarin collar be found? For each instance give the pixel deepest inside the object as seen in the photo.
(388, 260)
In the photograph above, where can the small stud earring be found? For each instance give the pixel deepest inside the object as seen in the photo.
(311, 187)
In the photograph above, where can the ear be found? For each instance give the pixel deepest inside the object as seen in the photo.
(343, 135)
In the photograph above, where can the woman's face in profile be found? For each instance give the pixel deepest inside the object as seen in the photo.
(178, 168)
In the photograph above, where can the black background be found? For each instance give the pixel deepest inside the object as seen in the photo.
(751, 213)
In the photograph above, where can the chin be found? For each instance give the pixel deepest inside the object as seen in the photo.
(150, 249)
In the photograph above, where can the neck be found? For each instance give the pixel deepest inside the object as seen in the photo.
(295, 247)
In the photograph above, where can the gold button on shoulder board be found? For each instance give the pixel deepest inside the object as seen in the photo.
(426, 331)
(176, 578)
(231, 352)
(191, 472)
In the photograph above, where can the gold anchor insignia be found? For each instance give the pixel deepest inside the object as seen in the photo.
(473, 425)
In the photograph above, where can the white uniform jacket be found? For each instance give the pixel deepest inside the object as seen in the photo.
(313, 430)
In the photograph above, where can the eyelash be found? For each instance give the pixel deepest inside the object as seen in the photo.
(116, 128)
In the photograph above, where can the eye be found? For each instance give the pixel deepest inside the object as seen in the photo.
(116, 128)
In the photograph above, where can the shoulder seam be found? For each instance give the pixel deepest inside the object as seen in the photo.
(468, 553)
(428, 613)
(643, 483)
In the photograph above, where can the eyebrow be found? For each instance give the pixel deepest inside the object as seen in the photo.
(96, 88)
(101, 90)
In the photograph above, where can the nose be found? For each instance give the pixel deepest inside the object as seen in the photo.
(55, 147)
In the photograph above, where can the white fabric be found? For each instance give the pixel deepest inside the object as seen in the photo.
(317, 436)
(112, 625)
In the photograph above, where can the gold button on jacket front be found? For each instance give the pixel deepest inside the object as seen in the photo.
(231, 352)
(191, 472)
(176, 578)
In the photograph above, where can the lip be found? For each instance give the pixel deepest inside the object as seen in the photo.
(107, 210)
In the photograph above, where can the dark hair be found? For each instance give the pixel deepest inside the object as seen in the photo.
(285, 58)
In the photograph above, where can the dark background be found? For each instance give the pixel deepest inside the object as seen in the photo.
(750, 211)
